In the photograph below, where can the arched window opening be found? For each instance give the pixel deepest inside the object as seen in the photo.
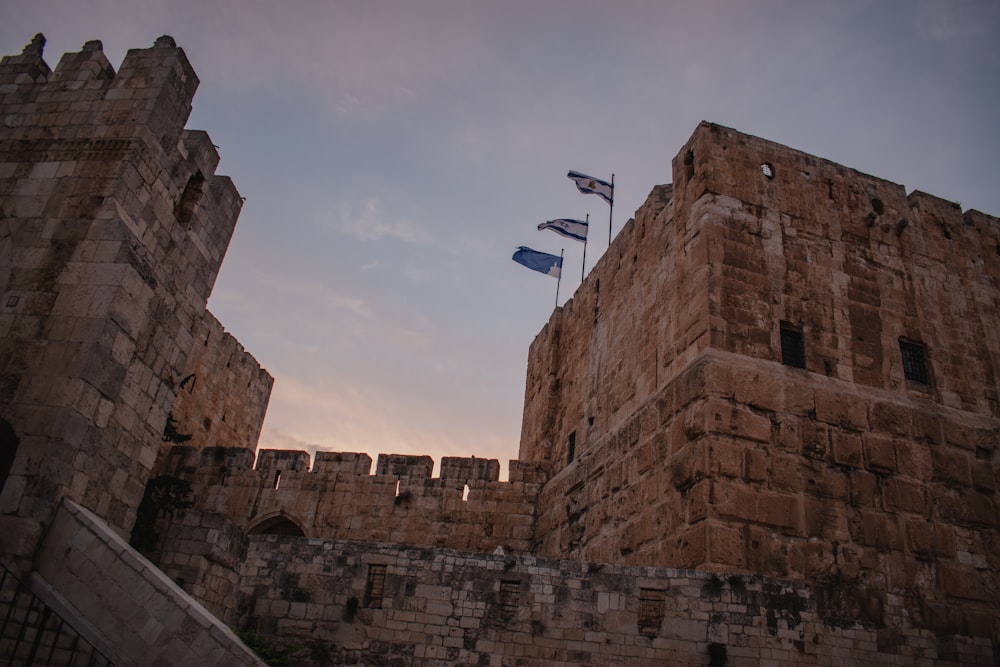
(277, 525)
(190, 198)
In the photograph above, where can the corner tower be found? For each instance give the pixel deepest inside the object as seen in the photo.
(787, 367)
(113, 227)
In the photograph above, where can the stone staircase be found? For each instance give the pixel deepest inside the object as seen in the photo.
(32, 633)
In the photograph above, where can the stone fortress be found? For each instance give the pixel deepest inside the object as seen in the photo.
(764, 431)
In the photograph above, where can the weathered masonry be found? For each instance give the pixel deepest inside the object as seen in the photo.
(113, 226)
(765, 429)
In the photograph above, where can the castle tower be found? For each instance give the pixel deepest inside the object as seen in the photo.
(786, 367)
(113, 226)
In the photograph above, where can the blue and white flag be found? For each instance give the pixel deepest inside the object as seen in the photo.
(538, 261)
(589, 185)
(574, 229)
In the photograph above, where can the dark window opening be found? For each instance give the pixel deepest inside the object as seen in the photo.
(189, 199)
(914, 361)
(572, 447)
(652, 605)
(793, 345)
(8, 450)
(278, 525)
(375, 586)
(510, 598)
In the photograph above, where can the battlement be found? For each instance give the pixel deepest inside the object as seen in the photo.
(339, 497)
(115, 228)
(184, 461)
(152, 91)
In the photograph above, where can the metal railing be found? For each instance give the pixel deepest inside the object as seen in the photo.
(32, 633)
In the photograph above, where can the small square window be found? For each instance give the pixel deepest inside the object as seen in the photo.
(793, 345)
(914, 361)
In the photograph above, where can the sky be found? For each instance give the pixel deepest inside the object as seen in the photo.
(394, 154)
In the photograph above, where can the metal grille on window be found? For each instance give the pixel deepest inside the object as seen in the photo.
(510, 598)
(914, 361)
(375, 586)
(793, 345)
(652, 603)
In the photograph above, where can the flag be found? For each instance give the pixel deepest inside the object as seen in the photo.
(574, 229)
(589, 185)
(538, 261)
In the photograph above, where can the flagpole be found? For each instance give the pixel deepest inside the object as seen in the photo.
(612, 210)
(583, 268)
(559, 279)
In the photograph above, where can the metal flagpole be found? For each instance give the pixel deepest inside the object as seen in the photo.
(583, 269)
(612, 210)
(559, 279)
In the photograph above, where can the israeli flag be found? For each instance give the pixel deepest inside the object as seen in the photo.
(589, 185)
(539, 261)
(574, 229)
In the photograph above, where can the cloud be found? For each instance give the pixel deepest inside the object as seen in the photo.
(367, 221)
(957, 20)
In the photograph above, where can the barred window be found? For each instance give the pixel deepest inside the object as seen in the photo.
(652, 603)
(375, 586)
(510, 598)
(793, 345)
(914, 361)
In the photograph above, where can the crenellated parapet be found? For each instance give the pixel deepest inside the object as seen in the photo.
(338, 497)
(113, 228)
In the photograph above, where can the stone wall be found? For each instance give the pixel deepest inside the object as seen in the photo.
(750, 466)
(639, 317)
(223, 396)
(335, 603)
(726, 255)
(467, 507)
(682, 432)
(113, 226)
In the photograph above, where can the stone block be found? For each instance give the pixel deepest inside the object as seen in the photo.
(725, 457)
(963, 581)
(815, 440)
(838, 408)
(951, 466)
(736, 500)
(727, 418)
(919, 541)
(891, 418)
(879, 452)
(689, 465)
(755, 466)
(846, 448)
(726, 545)
(913, 459)
(346, 462)
(698, 497)
(905, 495)
(984, 477)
